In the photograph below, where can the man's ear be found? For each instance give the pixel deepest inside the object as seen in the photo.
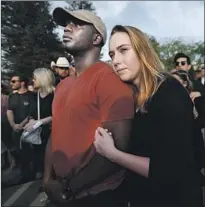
(189, 67)
(97, 39)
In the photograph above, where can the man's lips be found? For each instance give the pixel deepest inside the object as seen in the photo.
(66, 38)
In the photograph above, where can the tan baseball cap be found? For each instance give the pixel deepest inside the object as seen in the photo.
(61, 15)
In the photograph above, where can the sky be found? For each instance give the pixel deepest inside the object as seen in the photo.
(162, 19)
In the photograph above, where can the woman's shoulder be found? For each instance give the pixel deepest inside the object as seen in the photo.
(171, 92)
(171, 86)
(50, 96)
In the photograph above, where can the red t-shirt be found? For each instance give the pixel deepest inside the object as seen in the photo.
(80, 105)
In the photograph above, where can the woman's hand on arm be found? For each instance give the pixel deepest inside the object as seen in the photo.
(104, 144)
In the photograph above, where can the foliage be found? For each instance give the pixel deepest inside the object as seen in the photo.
(28, 41)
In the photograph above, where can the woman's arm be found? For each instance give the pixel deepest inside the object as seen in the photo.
(46, 120)
(104, 144)
(137, 164)
(32, 122)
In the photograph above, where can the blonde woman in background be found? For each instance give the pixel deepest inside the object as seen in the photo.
(43, 82)
(162, 169)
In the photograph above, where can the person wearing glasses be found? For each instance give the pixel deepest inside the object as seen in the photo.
(19, 104)
(183, 62)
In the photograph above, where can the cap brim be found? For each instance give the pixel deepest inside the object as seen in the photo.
(61, 15)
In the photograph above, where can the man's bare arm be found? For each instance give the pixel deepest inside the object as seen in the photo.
(100, 167)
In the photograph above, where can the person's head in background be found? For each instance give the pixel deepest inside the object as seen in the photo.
(182, 62)
(31, 88)
(198, 74)
(183, 78)
(62, 67)
(43, 80)
(5, 89)
(134, 60)
(19, 82)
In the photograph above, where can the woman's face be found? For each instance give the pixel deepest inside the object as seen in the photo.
(125, 61)
(35, 83)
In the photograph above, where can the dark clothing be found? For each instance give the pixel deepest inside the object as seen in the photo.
(199, 144)
(104, 199)
(57, 79)
(197, 86)
(199, 103)
(6, 131)
(38, 157)
(45, 111)
(165, 135)
(26, 158)
(20, 104)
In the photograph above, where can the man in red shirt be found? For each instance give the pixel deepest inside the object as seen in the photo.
(95, 97)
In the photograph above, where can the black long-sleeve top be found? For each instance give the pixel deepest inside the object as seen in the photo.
(165, 135)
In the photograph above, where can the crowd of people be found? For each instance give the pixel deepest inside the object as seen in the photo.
(116, 135)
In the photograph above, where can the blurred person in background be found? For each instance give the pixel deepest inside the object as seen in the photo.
(198, 75)
(62, 69)
(202, 76)
(43, 82)
(6, 131)
(183, 62)
(199, 113)
(19, 105)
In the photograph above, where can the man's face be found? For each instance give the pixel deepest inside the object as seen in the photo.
(78, 36)
(182, 64)
(62, 72)
(15, 83)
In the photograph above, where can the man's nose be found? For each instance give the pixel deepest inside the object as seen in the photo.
(68, 28)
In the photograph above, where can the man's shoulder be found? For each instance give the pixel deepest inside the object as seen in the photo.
(107, 76)
(13, 95)
(99, 68)
(30, 94)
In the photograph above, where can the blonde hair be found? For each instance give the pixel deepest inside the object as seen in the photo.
(45, 79)
(150, 75)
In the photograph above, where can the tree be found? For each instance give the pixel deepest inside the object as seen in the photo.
(155, 44)
(75, 5)
(171, 47)
(28, 41)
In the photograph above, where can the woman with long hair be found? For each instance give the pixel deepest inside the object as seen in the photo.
(43, 83)
(161, 164)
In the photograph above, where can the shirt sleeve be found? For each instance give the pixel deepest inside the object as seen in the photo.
(172, 161)
(115, 98)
